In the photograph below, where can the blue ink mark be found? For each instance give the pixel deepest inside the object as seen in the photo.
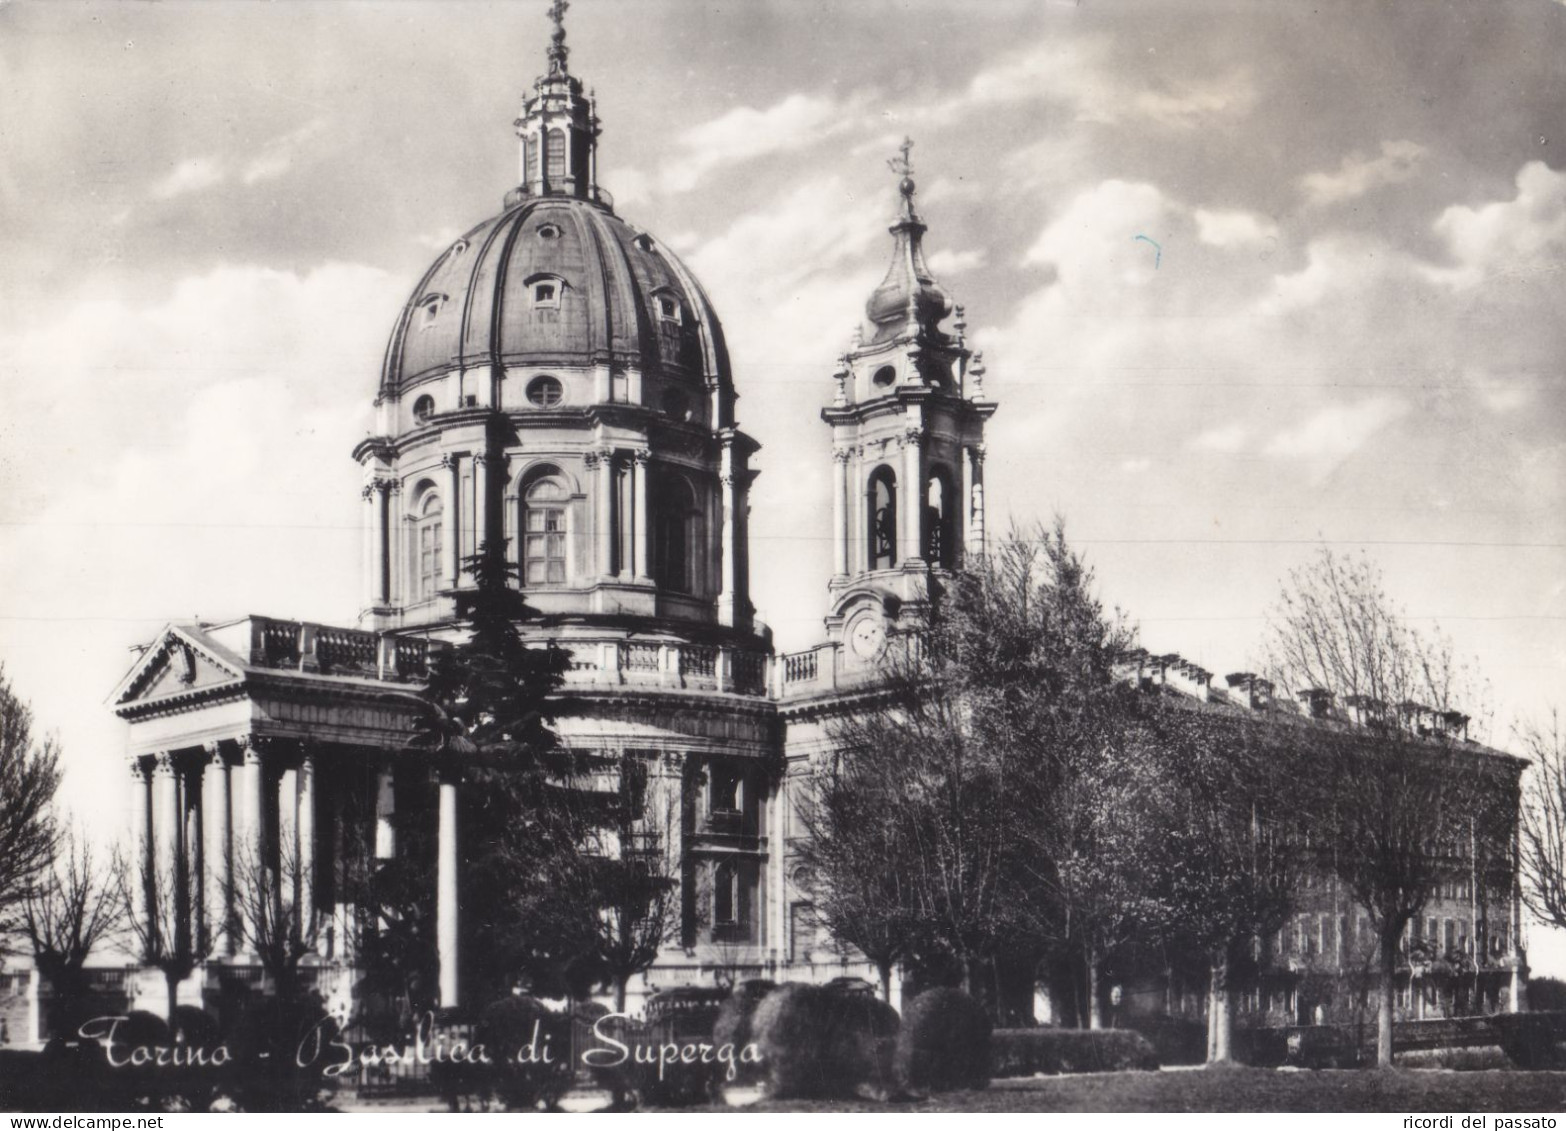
(1158, 252)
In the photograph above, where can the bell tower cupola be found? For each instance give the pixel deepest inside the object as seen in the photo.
(558, 129)
(907, 420)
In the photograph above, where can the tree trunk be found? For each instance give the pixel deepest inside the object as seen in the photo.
(1388, 999)
(171, 979)
(1095, 1010)
(620, 982)
(1220, 1007)
(884, 969)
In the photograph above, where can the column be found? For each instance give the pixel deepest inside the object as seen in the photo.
(840, 512)
(218, 857)
(385, 810)
(193, 837)
(977, 500)
(446, 892)
(398, 587)
(728, 516)
(965, 501)
(603, 520)
(641, 535)
(480, 500)
(859, 520)
(910, 509)
(143, 852)
(383, 540)
(166, 823)
(450, 543)
(250, 821)
(369, 581)
(305, 831)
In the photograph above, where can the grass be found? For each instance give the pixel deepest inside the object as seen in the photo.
(1241, 1089)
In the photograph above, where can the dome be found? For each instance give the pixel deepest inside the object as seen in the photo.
(556, 281)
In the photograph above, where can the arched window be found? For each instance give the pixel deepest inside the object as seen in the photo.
(881, 510)
(940, 514)
(531, 145)
(429, 522)
(677, 531)
(544, 533)
(555, 155)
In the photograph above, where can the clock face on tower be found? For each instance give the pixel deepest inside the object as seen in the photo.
(867, 636)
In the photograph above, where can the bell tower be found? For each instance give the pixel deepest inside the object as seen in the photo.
(907, 422)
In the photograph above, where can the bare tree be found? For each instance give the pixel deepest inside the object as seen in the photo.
(73, 909)
(1543, 835)
(630, 872)
(1398, 789)
(1229, 862)
(274, 911)
(851, 854)
(29, 776)
(171, 928)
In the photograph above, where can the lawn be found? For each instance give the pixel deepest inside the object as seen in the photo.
(1243, 1089)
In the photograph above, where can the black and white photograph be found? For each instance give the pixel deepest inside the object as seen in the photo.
(783, 556)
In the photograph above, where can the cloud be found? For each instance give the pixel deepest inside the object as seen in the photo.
(438, 240)
(1234, 229)
(1224, 438)
(1332, 434)
(1359, 174)
(277, 156)
(1082, 74)
(948, 261)
(745, 134)
(1522, 236)
(191, 175)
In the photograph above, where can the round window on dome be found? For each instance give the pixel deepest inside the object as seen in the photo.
(548, 232)
(424, 408)
(884, 376)
(545, 392)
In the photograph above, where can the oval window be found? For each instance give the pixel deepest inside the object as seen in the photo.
(424, 408)
(884, 376)
(548, 232)
(545, 392)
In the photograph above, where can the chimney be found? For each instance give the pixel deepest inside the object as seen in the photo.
(1317, 702)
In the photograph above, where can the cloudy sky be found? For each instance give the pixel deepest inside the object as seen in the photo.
(1342, 322)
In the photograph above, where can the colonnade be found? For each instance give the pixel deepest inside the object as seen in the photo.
(244, 819)
(851, 508)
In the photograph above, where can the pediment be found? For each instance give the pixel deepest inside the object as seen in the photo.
(178, 662)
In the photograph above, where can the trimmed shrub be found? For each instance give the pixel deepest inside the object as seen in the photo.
(815, 1042)
(1533, 1040)
(734, 1024)
(268, 1043)
(944, 1043)
(518, 1032)
(1029, 1052)
(1176, 1040)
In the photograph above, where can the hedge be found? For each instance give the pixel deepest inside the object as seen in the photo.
(1533, 1040)
(1028, 1052)
(944, 1043)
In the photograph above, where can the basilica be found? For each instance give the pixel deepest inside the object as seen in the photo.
(558, 381)
(619, 485)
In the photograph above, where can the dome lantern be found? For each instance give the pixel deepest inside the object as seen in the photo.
(558, 130)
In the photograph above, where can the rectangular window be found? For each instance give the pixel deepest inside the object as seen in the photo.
(429, 558)
(544, 546)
